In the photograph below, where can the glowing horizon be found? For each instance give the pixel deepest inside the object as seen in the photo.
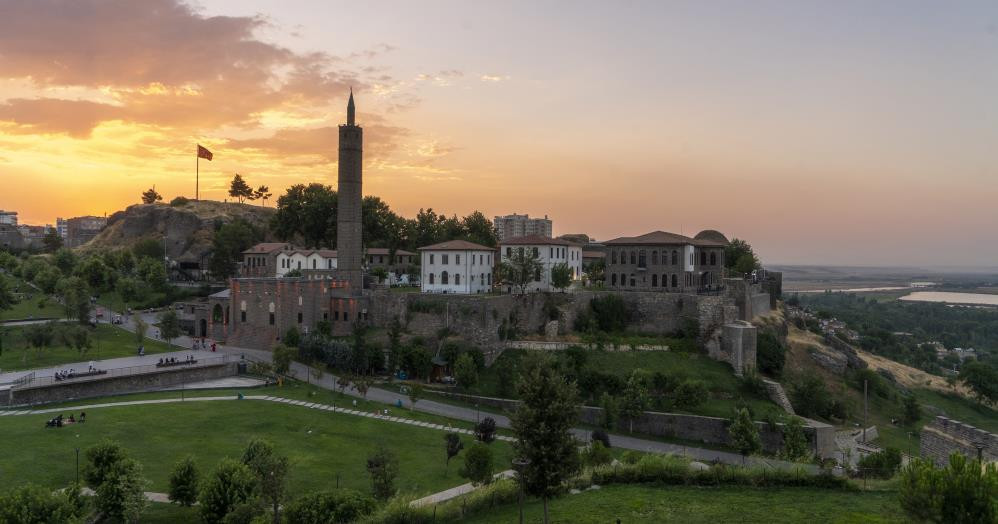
(839, 134)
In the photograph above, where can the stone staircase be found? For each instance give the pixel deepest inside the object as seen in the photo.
(778, 395)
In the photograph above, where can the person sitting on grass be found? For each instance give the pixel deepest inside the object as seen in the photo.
(83, 417)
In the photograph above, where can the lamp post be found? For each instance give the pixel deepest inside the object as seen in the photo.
(519, 464)
(77, 466)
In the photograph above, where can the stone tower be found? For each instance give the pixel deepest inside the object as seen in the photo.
(349, 244)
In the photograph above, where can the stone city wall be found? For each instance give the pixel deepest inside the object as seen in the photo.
(116, 385)
(707, 430)
(943, 436)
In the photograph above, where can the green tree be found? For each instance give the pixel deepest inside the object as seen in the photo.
(610, 410)
(151, 196)
(520, 269)
(480, 230)
(770, 354)
(735, 251)
(47, 279)
(912, 410)
(95, 273)
(271, 471)
(690, 394)
(744, 433)
(746, 264)
(383, 467)
(75, 296)
(561, 276)
(982, 380)
(415, 394)
(76, 337)
(100, 459)
(152, 272)
(149, 248)
(282, 358)
(140, 329)
(307, 213)
(882, 464)
(485, 430)
(228, 244)
(184, 482)
(121, 496)
(263, 194)
(33, 504)
(795, 443)
(7, 299)
(466, 371)
(505, 370)
(129, 289)
(453, 447)
(231, 484)
(239, 189)
(635, 399)
(169, 325)
(964, 491)
(542, 424)
(478, 467)
(52, 241)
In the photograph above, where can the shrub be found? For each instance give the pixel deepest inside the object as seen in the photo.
(770, 354)
(340, 506)
(179, 201)
(963, 491)
(811, 398)
(882, 464)
(609, 313)
(795, 443)
(231, 484)
(478, 464)
(34, 504)
(599, 435)
(690, 394)
(383, 467)
(485, 430)
(184, 482)
(596, 454)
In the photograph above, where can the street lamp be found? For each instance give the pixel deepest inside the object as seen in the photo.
(519, 464)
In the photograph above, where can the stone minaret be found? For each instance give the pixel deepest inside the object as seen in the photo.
(349, 244)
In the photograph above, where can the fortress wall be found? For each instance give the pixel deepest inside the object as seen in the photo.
(943, 436)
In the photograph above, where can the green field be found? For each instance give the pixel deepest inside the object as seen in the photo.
(107, 342)
(28, 309)
(653, 504)
(726, 390)
(321, 445)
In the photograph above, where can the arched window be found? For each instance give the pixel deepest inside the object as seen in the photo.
(713, 259)
(675, 259)
(634, 257)
(216, 313)
(431, 278)
(457, 279)
(654, 281)
(654, 258)
(642, 261)
(632, 280)
(703, 258)
(675, 281)
(613, 279)
(443, 278)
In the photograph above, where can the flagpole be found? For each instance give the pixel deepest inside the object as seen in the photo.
(197, 175)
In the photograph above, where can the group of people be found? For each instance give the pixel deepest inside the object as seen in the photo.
(203, 343)
(71, 372)
(170, 361)
(59, 421)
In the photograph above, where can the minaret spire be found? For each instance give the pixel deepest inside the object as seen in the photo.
(350, 109)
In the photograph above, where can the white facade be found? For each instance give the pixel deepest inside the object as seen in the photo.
(301, 260)
(461, 271)
(550, 255)
(8, 217)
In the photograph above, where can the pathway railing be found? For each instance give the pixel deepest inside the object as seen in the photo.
(124, 372)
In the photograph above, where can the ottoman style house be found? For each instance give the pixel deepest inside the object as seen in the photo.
(666, 262)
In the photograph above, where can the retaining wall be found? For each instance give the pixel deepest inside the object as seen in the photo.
(117, 385)
(943, 436)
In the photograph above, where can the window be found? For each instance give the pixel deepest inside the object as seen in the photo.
(457, 279)
(509, 252)
(536, 253)
(242, 316)
(299, 264)
(641, 259)
(654, 281)
(431, 278)
(299, 317)
(271, 319)
(313, 263)
(675, 257)
(431, 258)
(443, 278)
(482, 278)
(613, 257)
(336, 315)
(457, 259)
(329, 263)
(632, 280)
(654, 258)
(551, 252)
(613, 279)
(634, 257)
(703, 258)
(345, 316)
(675, 281)
(713, 259)
(490, 279)
(445, 259)
(537, 275)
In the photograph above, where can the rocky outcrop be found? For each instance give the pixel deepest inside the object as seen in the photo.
(186, 230)
(852, 358)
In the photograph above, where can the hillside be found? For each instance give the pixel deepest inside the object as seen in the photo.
(186, 229)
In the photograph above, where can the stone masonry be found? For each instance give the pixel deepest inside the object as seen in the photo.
(943, 436)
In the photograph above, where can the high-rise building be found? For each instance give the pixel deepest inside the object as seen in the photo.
(62, 228)
(8, 217)
(513, 226)
(349, 241)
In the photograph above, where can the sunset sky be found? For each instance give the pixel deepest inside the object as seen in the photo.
(860, 133)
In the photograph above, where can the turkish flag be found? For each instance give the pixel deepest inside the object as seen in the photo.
(204, 153)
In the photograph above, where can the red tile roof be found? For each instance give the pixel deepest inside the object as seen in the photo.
(536, 240)
(267, 247)
(662, 237)
(457, 245)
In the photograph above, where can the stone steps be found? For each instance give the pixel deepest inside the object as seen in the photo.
(778, 395)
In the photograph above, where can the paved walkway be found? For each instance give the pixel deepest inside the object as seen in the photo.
(456, 491)
(329, 381)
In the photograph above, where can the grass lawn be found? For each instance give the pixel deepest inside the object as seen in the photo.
(162, 513)
(107, 342)
(726, 389)
(321, 445)
(652, 504)
(28, 309)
